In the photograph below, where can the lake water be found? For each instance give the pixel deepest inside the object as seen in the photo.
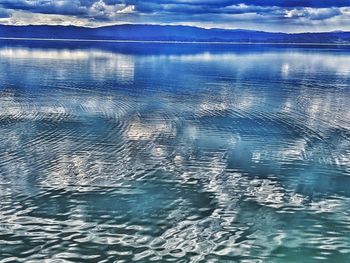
(183, 153)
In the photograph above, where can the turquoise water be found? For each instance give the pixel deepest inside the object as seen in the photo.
(135, 152)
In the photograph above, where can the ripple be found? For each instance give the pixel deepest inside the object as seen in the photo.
(108, 156)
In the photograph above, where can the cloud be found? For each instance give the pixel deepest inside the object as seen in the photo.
(64, 7)
(26, 18)
(108, 11)
(4, 13)
(313, 13)
(271, 15)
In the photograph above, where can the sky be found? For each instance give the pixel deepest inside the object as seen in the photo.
(267, 15)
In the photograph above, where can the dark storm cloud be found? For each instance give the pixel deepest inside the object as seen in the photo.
(263, 3)
(47, 7)
(296, 3)
(219, 12)
(80, 7)
(192, 9)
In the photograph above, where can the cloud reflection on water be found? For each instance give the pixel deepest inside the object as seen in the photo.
(203, 155)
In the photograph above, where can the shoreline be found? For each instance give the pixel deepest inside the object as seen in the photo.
(172, 42)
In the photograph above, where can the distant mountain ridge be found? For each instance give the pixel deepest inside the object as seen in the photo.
(169, 33)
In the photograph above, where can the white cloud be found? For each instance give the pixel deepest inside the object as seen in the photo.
(313, 13)
(26, 18)
(101, 10)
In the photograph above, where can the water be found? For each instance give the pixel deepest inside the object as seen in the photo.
(135, 152)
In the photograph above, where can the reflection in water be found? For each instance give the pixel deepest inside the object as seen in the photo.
(239, 155)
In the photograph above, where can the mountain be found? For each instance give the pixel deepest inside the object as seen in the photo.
(169, 33)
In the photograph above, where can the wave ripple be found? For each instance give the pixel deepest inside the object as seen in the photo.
(110, 156)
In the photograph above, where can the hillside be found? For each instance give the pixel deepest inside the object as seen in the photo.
(169, 33)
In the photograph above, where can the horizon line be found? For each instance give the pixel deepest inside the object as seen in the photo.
(173, 42)
(180, 25)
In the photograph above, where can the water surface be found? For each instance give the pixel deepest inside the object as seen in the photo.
(135, 152)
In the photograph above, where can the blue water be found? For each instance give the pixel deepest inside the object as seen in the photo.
(139, 152)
